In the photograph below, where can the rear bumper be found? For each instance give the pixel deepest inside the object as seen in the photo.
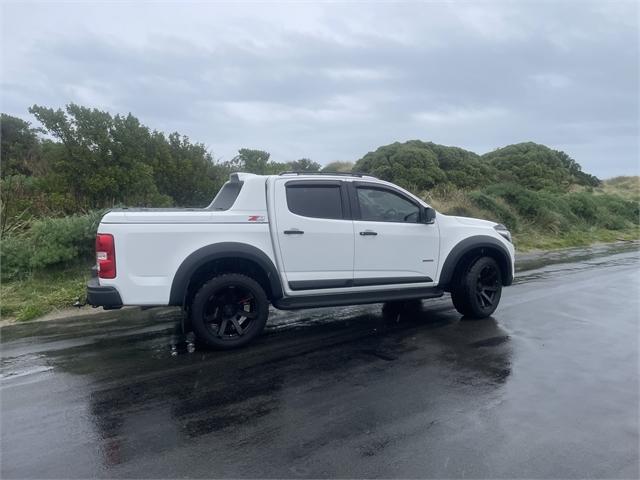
(102, 296)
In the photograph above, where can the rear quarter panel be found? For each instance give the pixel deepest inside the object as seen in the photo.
(149, 254)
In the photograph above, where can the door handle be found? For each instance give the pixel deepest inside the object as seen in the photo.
(368, 232)
(293, 231)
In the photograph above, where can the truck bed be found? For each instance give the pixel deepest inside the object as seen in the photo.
(181, 216)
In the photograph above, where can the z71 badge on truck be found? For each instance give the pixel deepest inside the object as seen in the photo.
(296, 240)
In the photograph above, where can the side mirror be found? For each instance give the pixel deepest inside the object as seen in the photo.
(428, 215)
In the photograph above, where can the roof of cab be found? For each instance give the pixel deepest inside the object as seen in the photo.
(243, 176)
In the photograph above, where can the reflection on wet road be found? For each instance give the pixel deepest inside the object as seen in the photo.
(548, 387)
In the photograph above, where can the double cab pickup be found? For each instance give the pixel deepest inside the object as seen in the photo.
(296, 240)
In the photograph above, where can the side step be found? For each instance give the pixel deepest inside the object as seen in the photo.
(356, 298)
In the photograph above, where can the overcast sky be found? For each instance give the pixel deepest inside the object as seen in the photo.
(332, 81)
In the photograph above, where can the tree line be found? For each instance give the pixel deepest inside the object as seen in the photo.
(83, 159)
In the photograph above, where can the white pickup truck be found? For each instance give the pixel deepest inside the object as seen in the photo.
(296, 240)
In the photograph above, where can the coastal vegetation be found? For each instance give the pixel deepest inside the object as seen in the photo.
(58, 178)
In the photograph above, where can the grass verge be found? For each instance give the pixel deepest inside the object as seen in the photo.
(42, 293)
(531, 240)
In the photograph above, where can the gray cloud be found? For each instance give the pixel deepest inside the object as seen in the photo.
(333, 81)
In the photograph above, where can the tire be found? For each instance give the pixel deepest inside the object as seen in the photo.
(478, 288)
(229, 311)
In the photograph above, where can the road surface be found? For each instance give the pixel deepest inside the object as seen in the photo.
(548, 387)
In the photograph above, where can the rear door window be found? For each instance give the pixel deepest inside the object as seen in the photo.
(316, 201)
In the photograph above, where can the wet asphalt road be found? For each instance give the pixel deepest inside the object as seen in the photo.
(548, 387)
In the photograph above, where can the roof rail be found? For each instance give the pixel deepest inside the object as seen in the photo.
(345, 174)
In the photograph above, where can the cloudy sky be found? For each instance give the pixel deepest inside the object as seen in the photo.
(332, 81)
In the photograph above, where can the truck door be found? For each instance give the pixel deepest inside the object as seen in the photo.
(393, 245)
(315, 233)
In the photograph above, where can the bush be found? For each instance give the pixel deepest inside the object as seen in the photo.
(51, 242)
(418, 165)
(616, 213)
(338, 167)
(538, 167)
(627, 209)
(548, 210)
(501, 212)
(532, 206)
(584, 206)
(15, 257)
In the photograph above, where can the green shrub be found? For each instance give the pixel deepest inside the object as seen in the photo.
(584, 206)
(501, 212)
(614, 222)
(418, 165)
(51, 242)
(614, 205)
(15, 256)
(460, 211)
(524, 201)
(550, 211)
(538, 167)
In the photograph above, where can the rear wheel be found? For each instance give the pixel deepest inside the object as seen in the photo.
(229, 311)
(478, 288)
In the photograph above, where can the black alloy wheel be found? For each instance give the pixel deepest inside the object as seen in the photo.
(477, 290)
(229, 311)
(488, 285)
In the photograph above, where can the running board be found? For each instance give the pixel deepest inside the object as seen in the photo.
(356, 298)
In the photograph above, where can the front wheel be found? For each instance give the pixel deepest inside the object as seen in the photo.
(477, 290)
(229, 311)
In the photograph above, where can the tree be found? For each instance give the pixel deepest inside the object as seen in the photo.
(106, 160)
(304, 165)
(259, 162)
(184, 171)
(20, 147)
(338, 167)
(103, 164)
(251, 161)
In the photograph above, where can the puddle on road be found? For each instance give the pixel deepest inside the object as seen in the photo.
(23, 366)
(490, 342)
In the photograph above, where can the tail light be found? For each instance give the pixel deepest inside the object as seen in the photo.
(106, 255)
